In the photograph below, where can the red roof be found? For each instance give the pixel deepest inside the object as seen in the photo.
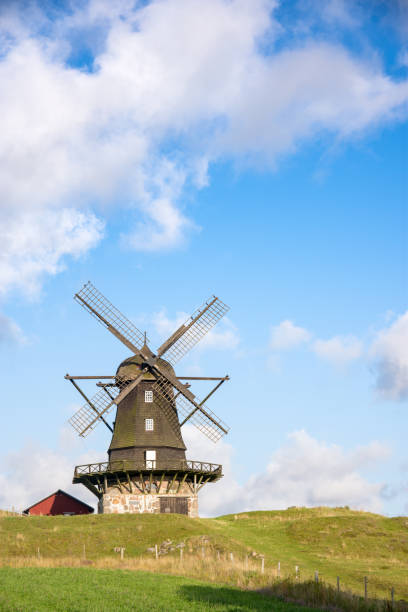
(59, 502)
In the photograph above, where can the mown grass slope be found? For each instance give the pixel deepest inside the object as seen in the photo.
(336, 542)
(86, 589)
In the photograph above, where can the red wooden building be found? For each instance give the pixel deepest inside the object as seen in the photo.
(59, 503)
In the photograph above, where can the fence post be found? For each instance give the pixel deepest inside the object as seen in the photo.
(84, 552)
(38, 553)
(202, 552)
(296, 571)
(365, 587)
(316, 576)
(218, 555)
(338, 584)
(262, 565)
(122, 550)
(181, 554)
(156, 551)
(232, 557)
(279, 568)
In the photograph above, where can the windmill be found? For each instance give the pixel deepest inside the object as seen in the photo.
(147, 469)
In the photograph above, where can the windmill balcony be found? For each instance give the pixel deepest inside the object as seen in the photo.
(113, 467)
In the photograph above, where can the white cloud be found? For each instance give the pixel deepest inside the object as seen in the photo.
(164, 228)
(36, 243)
(33, 472)
(222, 337)
(287, 335)
(339, 12)
(403, 58)
(10, 332)
(174, 86)
(389, 359)
(302, 472)
(165, 326)
(339, 350)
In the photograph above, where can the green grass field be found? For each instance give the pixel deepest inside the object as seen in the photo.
(335, 542)
(84, 589)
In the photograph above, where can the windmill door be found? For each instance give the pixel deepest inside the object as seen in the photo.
(174, 505)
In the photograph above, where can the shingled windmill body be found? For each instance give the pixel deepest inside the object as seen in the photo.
(147, 469)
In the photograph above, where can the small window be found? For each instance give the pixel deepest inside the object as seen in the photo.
(149, 424)
(148, 396)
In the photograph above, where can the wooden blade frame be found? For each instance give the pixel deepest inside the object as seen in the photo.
(91, 413)
(199, 415)
(110, 317)
(88, 401)
(193, 330)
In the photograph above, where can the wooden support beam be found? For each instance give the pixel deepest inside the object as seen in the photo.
(136, 485)
(119, 483)
(127, 487)
(161, 481)
(129, 482)
(68, 377)
(197, 484)
(169, 486)
(205, 482)
(143, 482)
(99, 484)
(203, 377)
(105, 483)
(181, 482)
(150, 481)
(88, 484)
(190, 486)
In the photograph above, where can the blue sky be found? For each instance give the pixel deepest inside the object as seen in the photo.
(172, 149)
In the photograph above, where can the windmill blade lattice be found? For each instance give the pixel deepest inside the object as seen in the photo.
(87, 417)
(109, 316)
(164, 390)
(197, 326)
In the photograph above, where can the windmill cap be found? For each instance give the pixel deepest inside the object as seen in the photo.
(131, 366)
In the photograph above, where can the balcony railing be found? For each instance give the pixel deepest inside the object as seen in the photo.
(127, 465)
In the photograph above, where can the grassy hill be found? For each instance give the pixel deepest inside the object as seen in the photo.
(335, 542)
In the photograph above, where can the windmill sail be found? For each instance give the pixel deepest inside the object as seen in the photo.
(198, 414)
(193, 330)
(110, 317)
(89, 415)
(83, 421)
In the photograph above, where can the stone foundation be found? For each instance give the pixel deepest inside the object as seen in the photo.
(132, 500)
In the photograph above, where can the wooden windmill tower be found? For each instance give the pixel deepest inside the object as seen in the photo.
(147, 469)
